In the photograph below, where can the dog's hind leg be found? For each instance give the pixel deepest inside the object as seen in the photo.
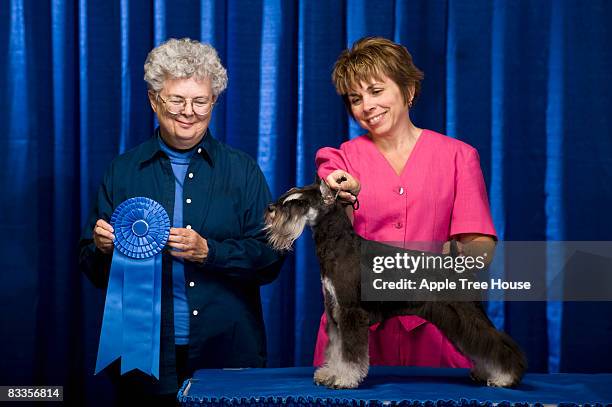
(497, 359)
(501, 364)
(346, 357)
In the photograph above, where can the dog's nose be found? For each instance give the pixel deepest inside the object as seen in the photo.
(270, 208)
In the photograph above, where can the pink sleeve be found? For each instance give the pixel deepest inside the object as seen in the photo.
(471, 212)
(330, 159)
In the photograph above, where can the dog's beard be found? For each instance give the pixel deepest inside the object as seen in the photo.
(282, 232)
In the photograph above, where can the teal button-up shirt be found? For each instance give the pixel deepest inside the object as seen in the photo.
(224, 201)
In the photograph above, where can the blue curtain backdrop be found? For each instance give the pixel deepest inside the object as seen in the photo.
(527, 82)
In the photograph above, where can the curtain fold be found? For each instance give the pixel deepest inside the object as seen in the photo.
(277, 119)
(321, 121)
(526, 83)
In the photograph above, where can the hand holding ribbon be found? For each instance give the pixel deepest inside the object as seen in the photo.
(189, 245)
(103, 236)
(132, 311)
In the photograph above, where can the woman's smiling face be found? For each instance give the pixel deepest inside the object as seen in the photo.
(186, 129)
(378, 106)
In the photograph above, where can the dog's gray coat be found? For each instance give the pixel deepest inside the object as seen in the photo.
(497, 359)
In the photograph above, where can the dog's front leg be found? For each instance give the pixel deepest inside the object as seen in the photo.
(346, 356)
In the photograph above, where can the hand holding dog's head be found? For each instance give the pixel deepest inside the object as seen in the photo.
(329, 198)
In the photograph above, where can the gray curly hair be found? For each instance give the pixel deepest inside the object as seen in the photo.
(184, 58)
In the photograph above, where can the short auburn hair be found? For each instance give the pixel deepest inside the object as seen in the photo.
(370, 58)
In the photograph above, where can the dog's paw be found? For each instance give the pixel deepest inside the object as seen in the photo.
(341, 382)
(348, 379)
(324, 376)
(494, 378)
(501, 380)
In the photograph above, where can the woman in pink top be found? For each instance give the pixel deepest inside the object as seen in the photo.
(414, 185)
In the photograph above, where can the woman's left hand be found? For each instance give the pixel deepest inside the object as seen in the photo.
(474, 245)
(340, 180)
(189, 244)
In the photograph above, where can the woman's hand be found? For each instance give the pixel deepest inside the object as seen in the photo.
(103, 236)
(474, 245)
(189, 244)
(342, 181)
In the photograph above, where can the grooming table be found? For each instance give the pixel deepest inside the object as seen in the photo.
(387, 386)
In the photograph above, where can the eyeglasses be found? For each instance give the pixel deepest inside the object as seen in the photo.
(175, 105)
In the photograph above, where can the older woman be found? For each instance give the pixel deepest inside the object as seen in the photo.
(217, 256)
(414, 185)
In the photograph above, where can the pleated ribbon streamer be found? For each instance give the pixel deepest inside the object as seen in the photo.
(132, 312)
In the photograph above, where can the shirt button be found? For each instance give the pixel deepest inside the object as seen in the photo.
(192, 284)
(400, 191)
(188, 227)
(195, 312)
(398, 225)
(199, 150)
(188, 200)
(190, 175)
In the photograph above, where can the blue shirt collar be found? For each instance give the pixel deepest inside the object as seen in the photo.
(206, 148)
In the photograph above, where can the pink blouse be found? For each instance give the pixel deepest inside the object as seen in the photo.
(440, 193)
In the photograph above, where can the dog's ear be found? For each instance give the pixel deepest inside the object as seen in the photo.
(326, 192)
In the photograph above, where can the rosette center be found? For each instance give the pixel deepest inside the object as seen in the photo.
(140, 228)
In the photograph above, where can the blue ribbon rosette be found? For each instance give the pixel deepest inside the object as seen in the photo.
(132, 312)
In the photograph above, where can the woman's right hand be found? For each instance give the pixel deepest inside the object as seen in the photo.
(103, 236)
(348, 185)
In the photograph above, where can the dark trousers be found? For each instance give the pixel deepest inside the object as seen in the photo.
(130, 393)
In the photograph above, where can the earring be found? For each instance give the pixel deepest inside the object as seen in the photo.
(410, 104)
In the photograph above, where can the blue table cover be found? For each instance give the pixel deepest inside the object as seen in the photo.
(388, 386)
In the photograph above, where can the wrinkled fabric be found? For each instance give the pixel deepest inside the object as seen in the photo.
(439, 193)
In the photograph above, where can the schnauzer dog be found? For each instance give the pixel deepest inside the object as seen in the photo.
(497, 359)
